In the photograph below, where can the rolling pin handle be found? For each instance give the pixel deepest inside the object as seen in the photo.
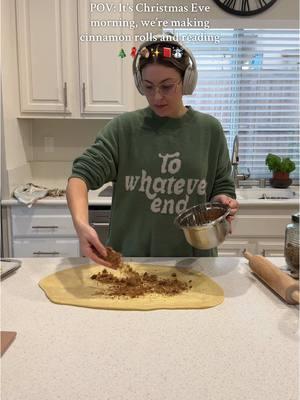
(281, 283)
(247, 254)
(296, 296)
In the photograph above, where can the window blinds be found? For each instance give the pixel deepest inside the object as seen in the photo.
(250, 82)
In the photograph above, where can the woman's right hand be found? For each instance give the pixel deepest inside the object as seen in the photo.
(90, 244)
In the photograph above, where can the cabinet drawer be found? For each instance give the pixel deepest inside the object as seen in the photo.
(234, 248)
(270, 248)
(260, 225)
(41, 223)
(46, 248)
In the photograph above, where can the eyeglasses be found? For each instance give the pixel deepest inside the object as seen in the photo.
(165, 89)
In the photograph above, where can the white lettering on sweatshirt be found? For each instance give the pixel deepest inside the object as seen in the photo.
(172, 186)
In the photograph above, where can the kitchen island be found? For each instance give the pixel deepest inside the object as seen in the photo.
(246, 348)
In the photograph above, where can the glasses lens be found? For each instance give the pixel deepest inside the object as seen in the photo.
(149, 90)
(164, 89)
(167, 89)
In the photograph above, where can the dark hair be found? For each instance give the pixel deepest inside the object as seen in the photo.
(179, 64)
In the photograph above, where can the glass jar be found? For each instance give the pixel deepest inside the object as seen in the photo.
(291, 247)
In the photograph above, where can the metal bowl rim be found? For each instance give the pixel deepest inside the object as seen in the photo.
(216, 221)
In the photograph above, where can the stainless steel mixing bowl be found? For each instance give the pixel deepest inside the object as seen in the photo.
(205, 225)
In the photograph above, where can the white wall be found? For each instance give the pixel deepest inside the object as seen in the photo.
(69, 139)
(17, 140)
(80, 133)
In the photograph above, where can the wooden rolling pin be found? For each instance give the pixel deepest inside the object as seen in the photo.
(280, 282)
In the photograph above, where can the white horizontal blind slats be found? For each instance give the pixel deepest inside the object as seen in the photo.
(249, 81)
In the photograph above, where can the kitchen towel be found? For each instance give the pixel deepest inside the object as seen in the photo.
(30, 193)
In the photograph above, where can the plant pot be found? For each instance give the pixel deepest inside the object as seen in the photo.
(280, 180)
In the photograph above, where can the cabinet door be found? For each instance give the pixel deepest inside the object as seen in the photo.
(106, 79)
(260, 224)
(235, 247)
(43, 55)
(270, 248)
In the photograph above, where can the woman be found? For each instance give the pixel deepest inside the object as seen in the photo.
(162, 160)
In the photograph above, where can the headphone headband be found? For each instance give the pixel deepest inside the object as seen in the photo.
(190, 74)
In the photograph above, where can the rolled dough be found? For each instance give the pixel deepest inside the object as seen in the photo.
(74, 286)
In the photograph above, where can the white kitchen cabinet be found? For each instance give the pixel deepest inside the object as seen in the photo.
(259, 229)
(32, 247)
(45, 56)
(42, 221)
(106, 79)
(48, 229)
(270, 248)
(61, 76)
(235, 247)
(263, 223)
(43, 231)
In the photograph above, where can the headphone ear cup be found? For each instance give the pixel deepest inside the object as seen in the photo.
(189, 80)
(138, 82)
(190, 75)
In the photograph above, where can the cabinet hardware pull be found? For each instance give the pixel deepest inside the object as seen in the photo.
(48, 253)
(45, 227)
(65, 95)
(100, 224)
(83, 96)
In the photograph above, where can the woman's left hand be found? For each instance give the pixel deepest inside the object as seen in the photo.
(231, 203)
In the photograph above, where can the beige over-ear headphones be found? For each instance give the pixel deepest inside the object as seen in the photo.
(190, 74)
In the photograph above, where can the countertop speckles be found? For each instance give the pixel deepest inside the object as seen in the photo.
(245, 348)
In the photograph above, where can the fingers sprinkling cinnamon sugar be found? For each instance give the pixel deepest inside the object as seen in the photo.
(114, 258)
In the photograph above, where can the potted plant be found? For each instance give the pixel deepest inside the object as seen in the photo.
(281, 168)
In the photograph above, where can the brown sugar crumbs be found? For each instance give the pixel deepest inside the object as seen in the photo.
(132, 284)
(113, 257)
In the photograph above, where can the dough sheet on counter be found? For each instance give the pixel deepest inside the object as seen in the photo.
(74, 286)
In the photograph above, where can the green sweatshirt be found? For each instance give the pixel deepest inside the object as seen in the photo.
(160, 166)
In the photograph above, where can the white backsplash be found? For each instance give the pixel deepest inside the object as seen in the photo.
(18, 176)
(51, 174)
(62, 140)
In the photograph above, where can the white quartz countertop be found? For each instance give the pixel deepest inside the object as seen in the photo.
(93, 196)
(243, 197)
(106, 201)
(246, 348)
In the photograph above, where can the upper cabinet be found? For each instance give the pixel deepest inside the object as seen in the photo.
(106, 79)
(61, 73)
(44, 59)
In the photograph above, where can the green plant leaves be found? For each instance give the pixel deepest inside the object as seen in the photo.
(288, 165)
(276, 164)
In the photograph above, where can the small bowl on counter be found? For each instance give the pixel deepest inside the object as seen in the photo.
(205, 225)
